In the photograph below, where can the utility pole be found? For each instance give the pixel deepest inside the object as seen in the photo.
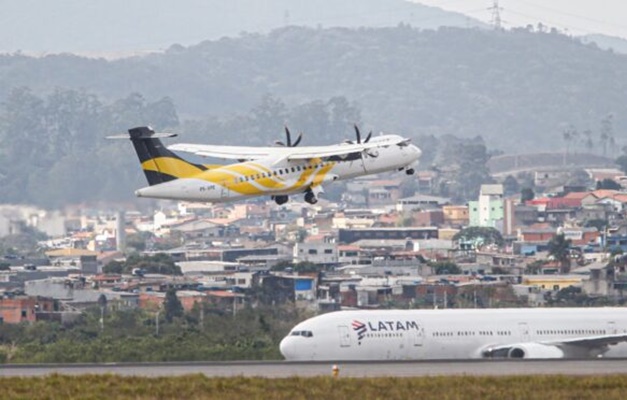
(496, 15)
(157, 322)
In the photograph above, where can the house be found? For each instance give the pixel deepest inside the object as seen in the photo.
(348, 236)
(316, 252)
(17, 309)
(455, 215)
(488, 209)
(421, 202)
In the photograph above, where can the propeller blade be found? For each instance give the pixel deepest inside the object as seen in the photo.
(368, 137)
(357, 134)
(279, 143)
(289, 137)
(300, 136)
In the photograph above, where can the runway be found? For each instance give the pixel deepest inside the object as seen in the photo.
(282, 369)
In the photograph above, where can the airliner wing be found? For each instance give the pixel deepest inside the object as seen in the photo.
(562, 348)
(230, 152)
(593, 341)
(324, 152)
(342, 151)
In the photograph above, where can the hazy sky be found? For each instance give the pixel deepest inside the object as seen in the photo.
(578, 17)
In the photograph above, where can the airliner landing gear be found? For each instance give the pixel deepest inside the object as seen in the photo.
(280, 199)
(310, 197)
(409, 171)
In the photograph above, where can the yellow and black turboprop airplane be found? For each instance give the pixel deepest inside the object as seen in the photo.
(278, 171)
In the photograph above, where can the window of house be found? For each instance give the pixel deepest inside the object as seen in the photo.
(312, 251)
(328, 251)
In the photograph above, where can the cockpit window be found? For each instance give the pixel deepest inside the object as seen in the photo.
(302, 333)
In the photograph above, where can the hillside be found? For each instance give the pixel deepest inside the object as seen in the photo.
(125, 26)
(520, 91)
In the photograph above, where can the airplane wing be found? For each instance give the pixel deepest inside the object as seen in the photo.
(229, 152)
(594, 341)
(290, 153)
(340, 150)
(563, 348)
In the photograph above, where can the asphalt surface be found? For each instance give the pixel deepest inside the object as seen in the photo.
(353, 369)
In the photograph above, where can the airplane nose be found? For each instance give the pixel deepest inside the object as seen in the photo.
(286, 348)
(418, 152)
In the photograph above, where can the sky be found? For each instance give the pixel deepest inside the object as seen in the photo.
(577, 17)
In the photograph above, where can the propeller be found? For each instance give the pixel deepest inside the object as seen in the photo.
(372, 153)
(289, 139)
(358, 135)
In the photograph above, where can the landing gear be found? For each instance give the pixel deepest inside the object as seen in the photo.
(310, 197)
(409, 171)
(280, 199)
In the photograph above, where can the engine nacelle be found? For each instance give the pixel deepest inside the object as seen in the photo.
(534, 350)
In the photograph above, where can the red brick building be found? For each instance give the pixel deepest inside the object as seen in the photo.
(14, 310)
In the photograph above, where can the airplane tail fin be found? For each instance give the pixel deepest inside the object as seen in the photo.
(158, 163)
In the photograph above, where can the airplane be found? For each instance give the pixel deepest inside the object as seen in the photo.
(528, 333)
(278, 171)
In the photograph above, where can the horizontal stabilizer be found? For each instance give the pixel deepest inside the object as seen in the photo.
(153, 136)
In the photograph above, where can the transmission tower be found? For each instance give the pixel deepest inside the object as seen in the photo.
(496, 15)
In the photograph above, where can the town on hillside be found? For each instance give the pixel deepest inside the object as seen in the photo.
(552, 243)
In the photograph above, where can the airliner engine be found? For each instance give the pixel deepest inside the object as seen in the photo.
(524, 350)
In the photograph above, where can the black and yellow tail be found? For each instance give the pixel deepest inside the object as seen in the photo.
(159, 164)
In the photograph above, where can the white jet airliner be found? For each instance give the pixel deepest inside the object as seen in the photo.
(456, 334)
(278, 171)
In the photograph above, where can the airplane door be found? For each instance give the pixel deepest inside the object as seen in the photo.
(224, 189)
(523, 329)
(345, 337)
(611, 328)
(419, 337)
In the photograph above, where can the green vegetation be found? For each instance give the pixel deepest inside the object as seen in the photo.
(559, 250)
(202, 387)
(156, 264)
(479, 236)
(131, 335)
(445, 268)
(300, 267)
(608, 184)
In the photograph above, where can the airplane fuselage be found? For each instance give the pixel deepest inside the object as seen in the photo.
(280, 176)
(456, 334)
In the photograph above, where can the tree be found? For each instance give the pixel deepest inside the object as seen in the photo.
(113, 267)
(621, 161)
(608, 183)
(559, 250)
(579, 177)
(480, 236)
(606, 135)
(526, 194)
(510, 185)
(172, 305)
(445, 268)
(600, 224)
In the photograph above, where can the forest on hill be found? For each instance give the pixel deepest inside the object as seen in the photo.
(515, 91)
